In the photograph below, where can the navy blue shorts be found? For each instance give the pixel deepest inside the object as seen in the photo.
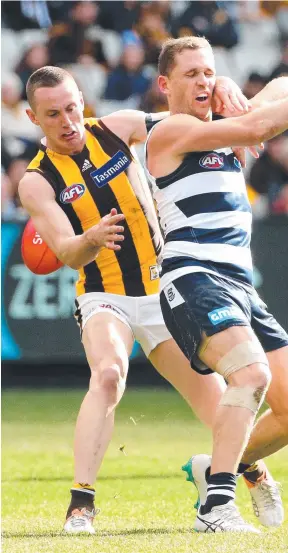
(201, 302)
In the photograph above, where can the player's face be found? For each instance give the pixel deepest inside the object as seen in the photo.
(59, 113)
(189, 87)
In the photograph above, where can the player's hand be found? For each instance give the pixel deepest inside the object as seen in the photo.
(228, 99)
(107, 232)
(240, 153)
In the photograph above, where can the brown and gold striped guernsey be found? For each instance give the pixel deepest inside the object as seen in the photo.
(87, 185)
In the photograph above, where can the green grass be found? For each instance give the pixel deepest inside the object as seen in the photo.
(146, 504)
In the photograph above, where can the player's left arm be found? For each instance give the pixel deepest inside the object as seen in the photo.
(133, 126)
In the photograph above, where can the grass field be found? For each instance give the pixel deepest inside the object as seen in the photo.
(146, 505)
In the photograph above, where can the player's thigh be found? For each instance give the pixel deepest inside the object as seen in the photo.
(107, 341)
(238, 356)
(214, 348)
(202, 392)
(104, 321)
(277, 394)
(208, 316)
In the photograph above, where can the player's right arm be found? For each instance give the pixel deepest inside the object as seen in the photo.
(180, 134)
(277, 89)
(38, 198)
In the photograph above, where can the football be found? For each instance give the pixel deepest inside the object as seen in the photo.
(36, 255)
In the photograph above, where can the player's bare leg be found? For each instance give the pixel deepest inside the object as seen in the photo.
(202, 393)
(108, 343)
(234, 420)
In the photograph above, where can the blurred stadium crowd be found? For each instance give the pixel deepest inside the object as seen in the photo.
(111, 48)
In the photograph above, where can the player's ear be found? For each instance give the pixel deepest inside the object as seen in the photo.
(32, 116)
(162, 83)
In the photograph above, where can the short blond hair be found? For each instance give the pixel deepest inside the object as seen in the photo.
(47, 76)
(174, 46)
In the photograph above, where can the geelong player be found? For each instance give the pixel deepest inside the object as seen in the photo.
(207, 296)
(83, 171)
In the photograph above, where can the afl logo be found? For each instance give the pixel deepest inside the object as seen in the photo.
(211, 161)
(72, 193)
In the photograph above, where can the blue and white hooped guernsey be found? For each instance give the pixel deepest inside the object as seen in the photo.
(206, 217)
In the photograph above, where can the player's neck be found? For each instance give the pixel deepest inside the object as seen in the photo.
(206, 118)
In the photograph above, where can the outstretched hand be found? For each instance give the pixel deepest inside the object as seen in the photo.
(107, 232)
(240, 152)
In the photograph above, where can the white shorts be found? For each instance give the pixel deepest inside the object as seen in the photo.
(143, 315)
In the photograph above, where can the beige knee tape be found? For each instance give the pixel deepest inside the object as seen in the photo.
(247, 397)
(241, 356)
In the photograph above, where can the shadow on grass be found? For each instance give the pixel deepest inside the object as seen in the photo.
(101, 478)
(99, 534)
